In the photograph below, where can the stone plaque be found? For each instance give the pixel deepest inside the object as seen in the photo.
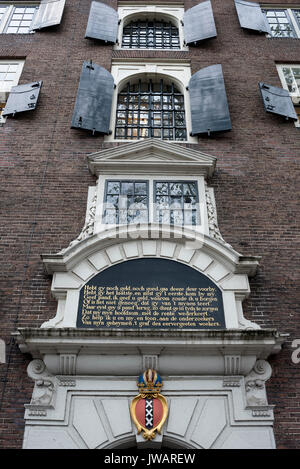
(150, 293)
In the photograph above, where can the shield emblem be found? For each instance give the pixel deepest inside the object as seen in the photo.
(149, 409)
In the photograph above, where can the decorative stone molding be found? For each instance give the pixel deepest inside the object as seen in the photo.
(225, 267)
(150, 361)
(214, 230)
(88, 229)
(120, 352)
(232, 364)
(67, 363)
(255, 384)
(232, 381)
(43, 396)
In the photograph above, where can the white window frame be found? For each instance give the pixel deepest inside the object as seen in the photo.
(291, 16)
(4, 23)
(295, 96)
(5, 87)
(180, 71)
(130, 12)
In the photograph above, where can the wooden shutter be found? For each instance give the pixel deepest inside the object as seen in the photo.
(251, 16)
(199, 23)
(102, 23)
(209, 107)
(277, 101)
(94, 99)
(49, 14)
(22, 98)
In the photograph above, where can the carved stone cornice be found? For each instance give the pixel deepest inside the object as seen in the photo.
(199, 352)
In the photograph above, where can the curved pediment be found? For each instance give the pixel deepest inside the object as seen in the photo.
(76, 266)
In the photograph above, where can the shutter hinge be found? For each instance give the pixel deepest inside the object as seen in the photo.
(187, 88)
(90, 65)
(182, 23)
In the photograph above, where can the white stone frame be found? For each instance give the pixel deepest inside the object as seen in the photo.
(171, 12)
(66, 286)
(295, 96)
(99, 246)
(93, 412)
(201, 227)
(178, 71)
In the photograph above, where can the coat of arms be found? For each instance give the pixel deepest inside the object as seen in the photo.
(149, 409)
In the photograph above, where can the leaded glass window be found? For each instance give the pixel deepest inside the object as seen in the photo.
(292, 78)
(126, 202)
(150, 35)
(150, 110)
(176, 203)
(280, 23)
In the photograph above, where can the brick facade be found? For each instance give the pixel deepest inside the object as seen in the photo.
(44, 180)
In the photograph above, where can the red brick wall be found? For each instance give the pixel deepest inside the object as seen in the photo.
(44, 181)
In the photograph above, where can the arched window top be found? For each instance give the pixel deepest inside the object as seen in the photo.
(151, 33)
(151, 108)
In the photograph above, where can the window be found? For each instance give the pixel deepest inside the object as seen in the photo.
(150, 34)
(283, 22)
(289, 75)
(149, 109)
(158, 25)
(291, 78)
(10, 71)
(126, 202)
(17, 19)
(176, 202)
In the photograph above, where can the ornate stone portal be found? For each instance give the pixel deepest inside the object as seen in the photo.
(213, 360)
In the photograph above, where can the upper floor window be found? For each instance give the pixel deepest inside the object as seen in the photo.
(130, 202)
(150, 34)
(10, 71)
(289, 75)
(17, 19)
(176, 202)
(126, 202)
(283, 22)
(149, 109)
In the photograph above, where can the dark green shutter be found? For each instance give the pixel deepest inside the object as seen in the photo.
(49, 14)
(22, 98)
(209, 107)
(102, 23)
(277, 101)
(251, 16)
(94, 99)
(199, 23)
